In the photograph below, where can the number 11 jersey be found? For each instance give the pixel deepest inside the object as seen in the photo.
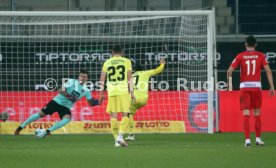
(251, 64)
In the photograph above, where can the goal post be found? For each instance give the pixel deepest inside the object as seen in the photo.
(41, 50)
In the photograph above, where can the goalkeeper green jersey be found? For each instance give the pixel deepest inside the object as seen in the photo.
(141, 80)
(73, 87)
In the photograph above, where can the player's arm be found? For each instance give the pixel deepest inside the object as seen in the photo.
(229, 78)
(130, 80)
(102, 80)
(130, 84)
(235, 63)
(270, 79)
(92, 102)
(160, 68)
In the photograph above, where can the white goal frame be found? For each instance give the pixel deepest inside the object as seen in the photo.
(210, 37)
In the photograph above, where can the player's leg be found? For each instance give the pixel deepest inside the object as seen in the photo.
(32, 118)
(133, 109)
(49, 108)
(112, 110)
(65, 116)
(131, 125)
(114, 127)
(257, 103)
(123, 105)
(131, 122)
(246, 126)
(123, 124)
(114, 124)
(122, 129)
(64, 121)
(245, 103)
(258, 127)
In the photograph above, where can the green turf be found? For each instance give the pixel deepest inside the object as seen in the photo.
(148, 151)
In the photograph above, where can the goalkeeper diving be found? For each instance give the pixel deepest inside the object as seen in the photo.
(72, 91)
(141, 79)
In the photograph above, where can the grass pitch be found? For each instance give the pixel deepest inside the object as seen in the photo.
(148, 151)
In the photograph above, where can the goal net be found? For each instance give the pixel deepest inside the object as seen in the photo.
(41, 50)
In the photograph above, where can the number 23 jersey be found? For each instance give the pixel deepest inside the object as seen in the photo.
(116, 69)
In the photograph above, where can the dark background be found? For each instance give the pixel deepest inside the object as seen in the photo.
(21, 69)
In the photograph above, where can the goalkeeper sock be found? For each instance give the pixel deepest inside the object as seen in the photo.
(114, 127)
(258, 126)
(32, 118)
(131, 124)
(123, 125)
(246, 126)
(59, 124)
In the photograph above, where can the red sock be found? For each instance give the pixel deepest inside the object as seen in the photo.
(246, 126)
(258, 126)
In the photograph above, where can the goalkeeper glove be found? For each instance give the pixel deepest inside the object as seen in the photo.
(93, 102)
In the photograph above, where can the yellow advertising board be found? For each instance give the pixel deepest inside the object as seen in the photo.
(87, 127)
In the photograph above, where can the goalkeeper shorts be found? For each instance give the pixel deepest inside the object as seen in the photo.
(53, 107)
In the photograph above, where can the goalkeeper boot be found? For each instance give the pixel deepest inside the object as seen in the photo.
(18, 130)
(121, 141)
(130, 138)
(259, 142)
(48, 132)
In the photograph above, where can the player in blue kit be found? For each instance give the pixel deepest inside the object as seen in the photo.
(72, 91)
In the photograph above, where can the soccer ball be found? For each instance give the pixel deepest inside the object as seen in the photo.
(40, 133)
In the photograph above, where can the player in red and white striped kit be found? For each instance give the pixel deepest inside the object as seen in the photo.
(251, 63)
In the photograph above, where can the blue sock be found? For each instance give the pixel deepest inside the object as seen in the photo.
(59, 124)
(30, 119)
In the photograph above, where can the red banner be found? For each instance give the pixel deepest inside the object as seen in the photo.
(231, 116)
(161, 106)
(189, 107)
